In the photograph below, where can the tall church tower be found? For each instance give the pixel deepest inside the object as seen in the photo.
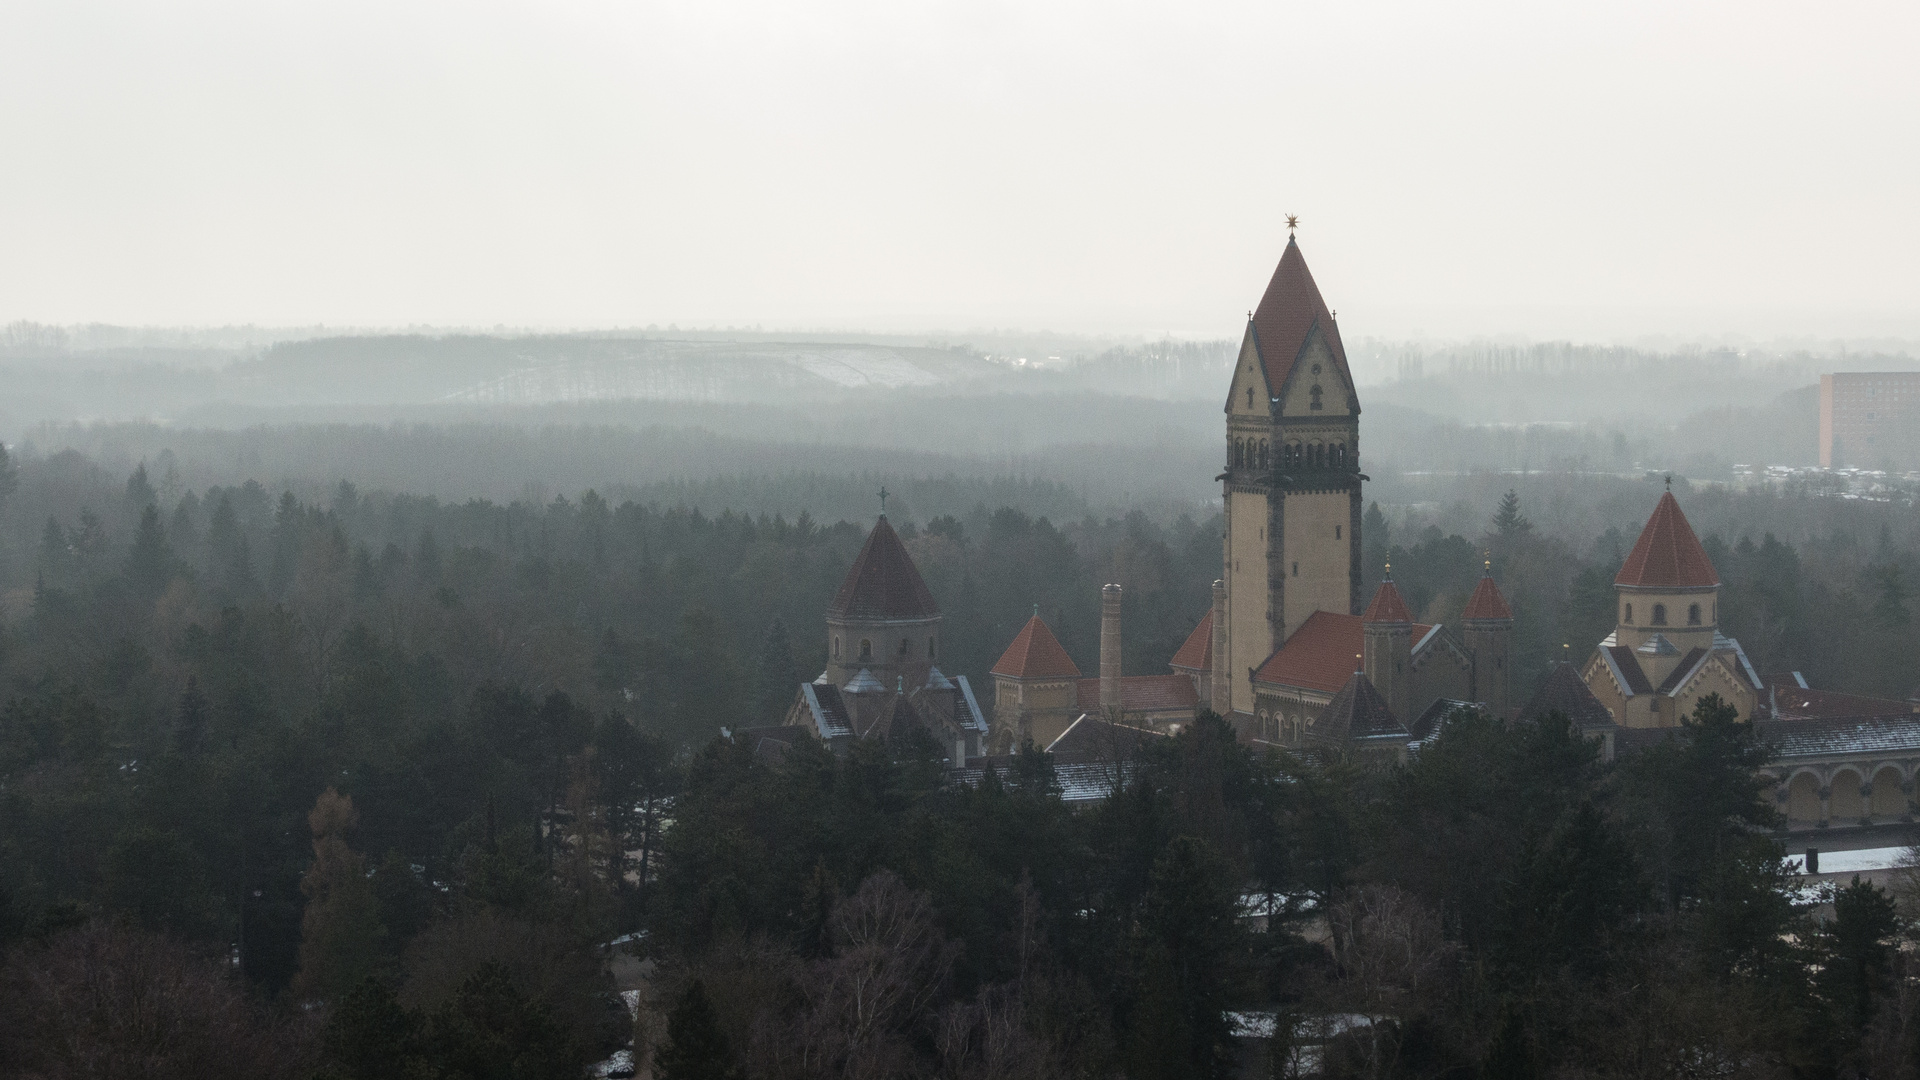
(1292, 485)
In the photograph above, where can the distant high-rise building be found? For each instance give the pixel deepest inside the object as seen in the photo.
(1869, 419)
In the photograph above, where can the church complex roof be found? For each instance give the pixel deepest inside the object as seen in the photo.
(1036, 654)
(1141, 693)
(1667, 555)
(1287, 315)
(1566, 693)
(883, 584)
(1197, 653)
(1486, 602)
(1322, 654)
(1357, 711)
(1792, 701)
(1387, 607)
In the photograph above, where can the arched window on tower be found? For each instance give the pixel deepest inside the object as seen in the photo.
(1315, 405)
(866, 649)
(836, 648)
(1249, 399)
(930, 649)
(1263, 455)
(1628, 619)
(1693, 614)
(905, 647)
(1659, 614)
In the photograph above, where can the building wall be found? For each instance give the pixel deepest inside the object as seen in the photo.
(1249, 636)
(1870, 418)
(1315, 556)
(1030, 709)
(919, 638)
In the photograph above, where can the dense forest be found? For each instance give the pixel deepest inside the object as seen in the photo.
(367, 780)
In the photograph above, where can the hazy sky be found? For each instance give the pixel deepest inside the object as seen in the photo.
(1591, 170)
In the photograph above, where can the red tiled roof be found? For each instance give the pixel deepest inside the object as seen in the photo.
(1387, 606)
(1668, 555)
(1486, 601)
(1140, 693)
(1793, 702)
(1322, 655)
(1197, 653)
(1036, 654)
(883, 584)
(1287, 314)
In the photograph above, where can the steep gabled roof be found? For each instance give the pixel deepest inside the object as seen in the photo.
(1667, 555)
(1387, 607)
(884, 583)
(1036, 654)
(1288, 314)
(1322, 654)
(1566, 693)
(1357, 711)
(1197, 653)
(1486, 601)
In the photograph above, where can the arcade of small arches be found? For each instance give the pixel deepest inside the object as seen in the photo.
(865, 651)
(1292, 454)
(1287, 726)
(1846, 794)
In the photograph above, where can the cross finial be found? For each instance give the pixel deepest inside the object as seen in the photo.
(1293, 222)
(1036, 611)
(1669, 481)
(883, 501)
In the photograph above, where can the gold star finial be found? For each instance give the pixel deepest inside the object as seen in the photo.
(1293, 222)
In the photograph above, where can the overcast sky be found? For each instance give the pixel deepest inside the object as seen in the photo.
(1530, 168)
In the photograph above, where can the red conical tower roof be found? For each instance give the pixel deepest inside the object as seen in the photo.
(1287, 314)
(1486, 601)
(1668, 555)
(884, 583)
(1387, 607)
(1036, 654)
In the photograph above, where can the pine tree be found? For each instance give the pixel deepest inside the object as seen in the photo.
(696, 1048)
(190, 726)
(139, 491)
(777, 674)
(9, 475)
(1508, 521)
(151, 564)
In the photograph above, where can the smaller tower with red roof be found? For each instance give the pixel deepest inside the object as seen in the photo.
(1035, 687)
(1486, 627)
(1387, 632)
(1666, 651)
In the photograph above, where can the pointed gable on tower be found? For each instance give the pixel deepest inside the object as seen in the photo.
(1486, 603)
(1290, 313)
(1387, 607)
(883, 583)
(1036, 654)
(1668, 555)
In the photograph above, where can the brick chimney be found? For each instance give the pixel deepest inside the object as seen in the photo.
(1110, 650)
(1221, 697)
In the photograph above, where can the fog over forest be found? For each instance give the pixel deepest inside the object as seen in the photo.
(383, 690)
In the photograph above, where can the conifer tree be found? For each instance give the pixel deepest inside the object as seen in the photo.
(140, 492)
(777, 674)
(1508, 522)
(696, 1048)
